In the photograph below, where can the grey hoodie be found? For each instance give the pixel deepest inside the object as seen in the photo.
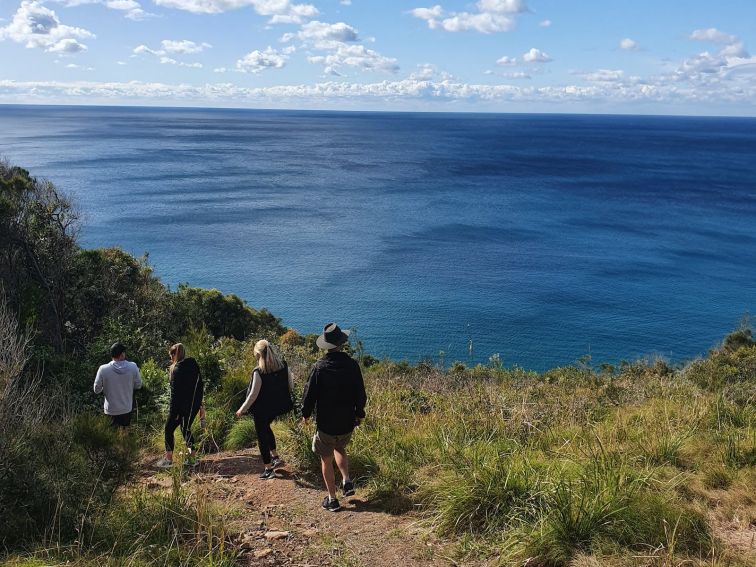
(118, 379)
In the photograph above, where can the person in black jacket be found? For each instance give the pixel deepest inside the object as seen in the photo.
(336, 392)
(268, 396)
(186, 400)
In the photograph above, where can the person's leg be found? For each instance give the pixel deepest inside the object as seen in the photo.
(342, 461)
(170, 426)
(262, 427)
(329, 476)
(186, 429)
(272, 441)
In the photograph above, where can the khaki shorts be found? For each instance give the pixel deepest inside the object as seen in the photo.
(323, 444)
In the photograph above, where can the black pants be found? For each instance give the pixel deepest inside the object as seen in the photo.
(265, 438)
(180, 420)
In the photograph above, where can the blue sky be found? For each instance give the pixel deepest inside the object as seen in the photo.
(609, 56)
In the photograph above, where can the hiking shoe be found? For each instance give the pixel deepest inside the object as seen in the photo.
(331, 505)
(348, 488)
(268, 474)
(277, 462)
(164, 463)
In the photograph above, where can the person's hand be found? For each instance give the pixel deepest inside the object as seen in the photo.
(238, 413)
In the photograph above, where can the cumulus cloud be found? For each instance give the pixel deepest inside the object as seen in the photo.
(340, 45)
(184, 46)
(536, 56)
(131, 8)
(257, 61)
(81, 67)
(628, 44)
(492, 16)
(713, 35)
(429, 72)
(603, 75)
(428, 14)
(357, 56)
(279, 11)
(37, 26)
(626, 91)
(170, 61)
(731, 61)
(321, 33)
(506, 60)
(173, 47)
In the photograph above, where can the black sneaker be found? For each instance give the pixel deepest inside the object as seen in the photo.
(331, 505)
(277, 462)
(268, 474)
(348, 488)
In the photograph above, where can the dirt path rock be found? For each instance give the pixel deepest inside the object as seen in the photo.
(281, 521)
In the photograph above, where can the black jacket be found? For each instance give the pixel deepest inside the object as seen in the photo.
(336, 392)
(186, 387)
(274, 398)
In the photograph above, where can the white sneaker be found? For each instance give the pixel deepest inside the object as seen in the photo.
(164, 463)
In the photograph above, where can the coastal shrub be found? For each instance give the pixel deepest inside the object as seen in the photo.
(222, 315)
(241, 435)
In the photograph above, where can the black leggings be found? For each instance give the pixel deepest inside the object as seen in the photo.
(265, 438)
(185, 422)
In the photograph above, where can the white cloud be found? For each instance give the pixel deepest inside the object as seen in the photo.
(170, 61)
(493, 16)
(220, 70)
(621, 92)
(628, 44)
(545, 24)
(184, 46)
(345, 2)
(428, 13)
(81, 67)
(506, 60)
(280, 11)
(358, 56)
(428, 72)
(318, 32)
(603, 75)
(36, 26)
(133, 9)
(713, 35)
(536, 56)
(257, 61)
(174, 47)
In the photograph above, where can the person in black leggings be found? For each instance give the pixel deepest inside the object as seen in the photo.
(268, 396)
(186, 400)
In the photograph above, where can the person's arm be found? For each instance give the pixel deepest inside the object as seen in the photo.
(137, 379)
(310, 394)
(254, 391)
(174, 393)
(361, 396)
(98, 385)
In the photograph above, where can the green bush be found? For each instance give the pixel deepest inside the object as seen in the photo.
(242, 435)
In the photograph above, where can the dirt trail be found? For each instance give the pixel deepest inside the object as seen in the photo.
(281, 522)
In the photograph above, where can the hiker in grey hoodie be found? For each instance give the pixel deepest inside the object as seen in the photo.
(118, 379)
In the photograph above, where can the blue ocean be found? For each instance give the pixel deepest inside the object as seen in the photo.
(540, 238)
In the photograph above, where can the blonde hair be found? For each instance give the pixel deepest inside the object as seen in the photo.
(267, 358)
(177, 352)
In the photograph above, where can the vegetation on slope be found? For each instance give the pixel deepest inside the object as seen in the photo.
(637, 464)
